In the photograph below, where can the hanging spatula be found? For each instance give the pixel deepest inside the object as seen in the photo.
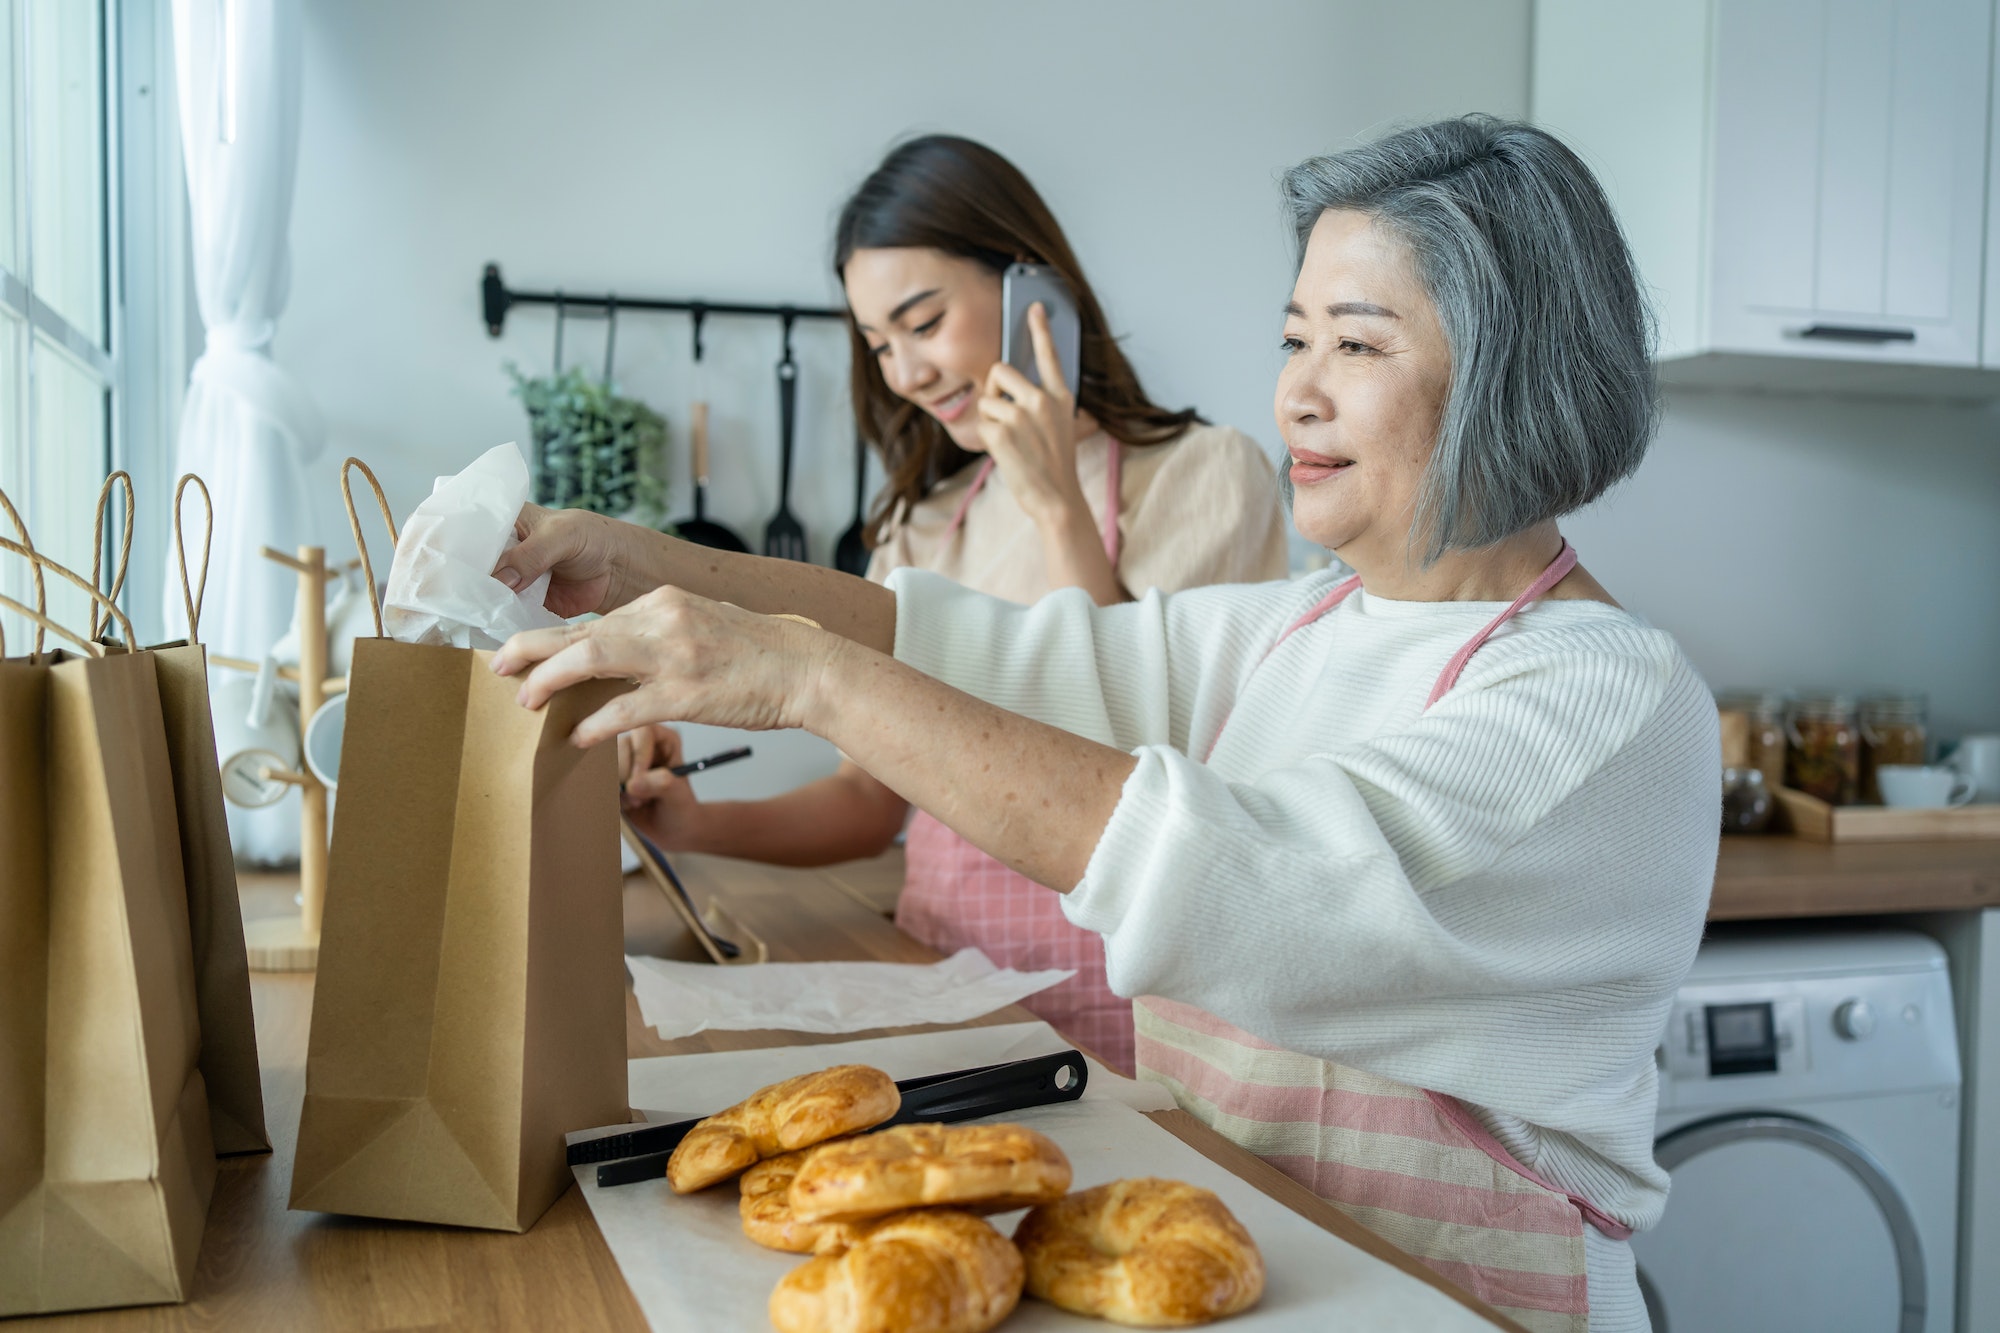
(785, 536)
(850, 556)
(700, 529)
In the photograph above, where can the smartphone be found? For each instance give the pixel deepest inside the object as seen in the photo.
(1020, 287)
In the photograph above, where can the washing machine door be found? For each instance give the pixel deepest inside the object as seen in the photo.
(1779, 1222)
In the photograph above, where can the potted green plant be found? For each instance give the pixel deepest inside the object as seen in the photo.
(594, 449)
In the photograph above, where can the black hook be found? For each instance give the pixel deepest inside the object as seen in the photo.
(787, 314)
(559, 330)
(494, 296)
(610, 334)
(700, 315)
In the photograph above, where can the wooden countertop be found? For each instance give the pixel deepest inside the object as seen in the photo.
(1763, 877)
(263, 1266)
(1773, 876)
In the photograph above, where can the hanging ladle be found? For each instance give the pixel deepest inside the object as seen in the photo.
(699, 529)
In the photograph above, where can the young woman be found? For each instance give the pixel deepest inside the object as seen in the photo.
(1006, 491)
(1409, 865)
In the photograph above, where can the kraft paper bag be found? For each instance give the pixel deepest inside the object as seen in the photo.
(229, 1064)
(470, 1008)
(215, 912)
(106, 1162)
(470, 1005)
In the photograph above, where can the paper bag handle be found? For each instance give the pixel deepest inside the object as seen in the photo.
(193, 597)
(41, 592)
(97, 597)
(354, 523)
(124, 549)
(43, 625)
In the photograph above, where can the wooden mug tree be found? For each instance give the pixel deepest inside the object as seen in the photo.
(286, 943)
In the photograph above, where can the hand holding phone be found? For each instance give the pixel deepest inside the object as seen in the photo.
(1021, 287)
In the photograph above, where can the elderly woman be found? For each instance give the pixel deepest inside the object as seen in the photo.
(1407, 866)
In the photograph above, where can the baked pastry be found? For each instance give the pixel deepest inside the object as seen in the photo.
(987, 1168)
(935, 1271)
(766, 1208)
(797, 1113)
(1146, 1252)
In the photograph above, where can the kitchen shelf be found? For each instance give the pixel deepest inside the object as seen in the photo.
(1760, 877)
(1750, 372)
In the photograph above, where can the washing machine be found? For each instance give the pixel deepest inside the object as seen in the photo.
(1809, 1116)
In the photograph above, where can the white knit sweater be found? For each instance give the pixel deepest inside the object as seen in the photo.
(1495, 898)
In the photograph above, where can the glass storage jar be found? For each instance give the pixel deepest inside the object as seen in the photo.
(1824, 758)
(1766, 711)
(1893, 731)
(1746, 801)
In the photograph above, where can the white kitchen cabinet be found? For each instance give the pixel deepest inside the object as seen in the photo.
(1800, 179)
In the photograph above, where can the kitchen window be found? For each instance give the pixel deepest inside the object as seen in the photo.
(86, 214)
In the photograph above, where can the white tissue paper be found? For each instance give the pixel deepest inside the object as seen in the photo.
(681, 999)
(441, 586)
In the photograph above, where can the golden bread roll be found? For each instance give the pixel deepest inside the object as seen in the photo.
(988, 1168)
(1149, 1253)
(797, 1113)
(766, 1208)
(937, 1271)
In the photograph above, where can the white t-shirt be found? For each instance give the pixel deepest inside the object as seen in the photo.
(1495, 898)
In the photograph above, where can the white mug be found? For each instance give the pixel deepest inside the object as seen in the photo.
(1978, 759)
(252, 732)
(323, 736)
(1915, 787)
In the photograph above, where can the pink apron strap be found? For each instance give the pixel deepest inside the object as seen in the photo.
(1557, 571)
(971, 494)
(1325, 604)
(1114, 469)
(1334, 598)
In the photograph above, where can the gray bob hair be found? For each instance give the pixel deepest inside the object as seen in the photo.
(1552, 396)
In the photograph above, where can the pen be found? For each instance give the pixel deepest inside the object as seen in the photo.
(713, 761)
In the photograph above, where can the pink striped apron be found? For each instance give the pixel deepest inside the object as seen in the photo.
(955, 895)
(1416, 1167)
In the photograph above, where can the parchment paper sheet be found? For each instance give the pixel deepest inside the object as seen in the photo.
(681, 999)
(693, 1271)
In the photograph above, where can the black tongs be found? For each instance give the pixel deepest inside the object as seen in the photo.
(963, 1094)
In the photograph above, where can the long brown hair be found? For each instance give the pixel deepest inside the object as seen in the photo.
(944, 193)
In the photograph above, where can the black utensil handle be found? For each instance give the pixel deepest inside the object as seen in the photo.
(1042, 1081)
(649, 1140)
(860, 476)
(963, 1094)
(1857, 333)
(632, 1170)
(653, 1140)
(711, 761)
(788, 392)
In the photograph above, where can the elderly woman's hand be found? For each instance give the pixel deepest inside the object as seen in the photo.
(693, 660)
(582, 552)
(1031, 432)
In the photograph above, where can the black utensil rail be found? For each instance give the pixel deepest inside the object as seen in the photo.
(496, 298)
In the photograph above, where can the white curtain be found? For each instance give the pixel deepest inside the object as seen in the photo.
(248, 427)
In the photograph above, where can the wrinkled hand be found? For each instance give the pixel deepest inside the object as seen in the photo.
(1031, 431)
(663, 806)
(580, 548)
(693, 660)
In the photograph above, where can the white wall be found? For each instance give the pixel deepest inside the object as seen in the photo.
(1845, 544)
(702, 149)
